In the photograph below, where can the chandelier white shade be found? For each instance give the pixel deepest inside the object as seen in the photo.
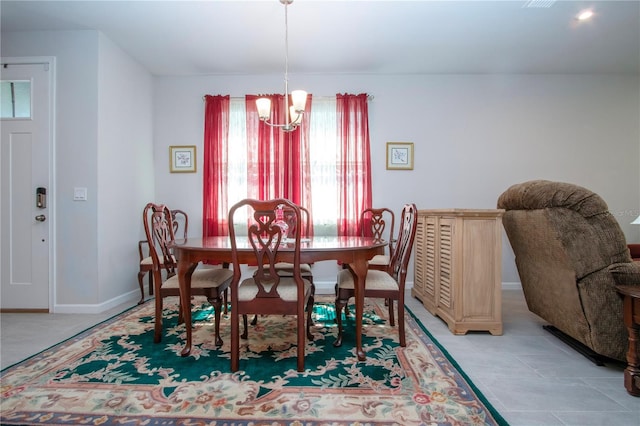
(298, 97)
(636, 221)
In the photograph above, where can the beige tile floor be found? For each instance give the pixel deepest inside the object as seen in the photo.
(527, 374)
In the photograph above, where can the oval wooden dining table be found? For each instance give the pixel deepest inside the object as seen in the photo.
(354, 251)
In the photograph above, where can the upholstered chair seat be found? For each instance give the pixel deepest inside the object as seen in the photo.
(285, 267)
(376, 280)
(201, 279)
(381, 261)
(287, 289)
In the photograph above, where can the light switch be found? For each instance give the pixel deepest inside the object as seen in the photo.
(79, 194)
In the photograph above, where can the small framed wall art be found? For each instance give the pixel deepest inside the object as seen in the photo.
(182, 159)
(399, 155)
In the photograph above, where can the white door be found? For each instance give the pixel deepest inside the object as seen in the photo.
(25, 150)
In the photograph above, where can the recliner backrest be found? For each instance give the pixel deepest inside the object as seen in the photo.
(579, 217)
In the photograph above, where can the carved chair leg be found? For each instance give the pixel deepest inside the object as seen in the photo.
(403, 340)
(392, 320)
(226, 301)
(216, 302)
(345, 306)
(311, 300)
(180, 316)
(245, 334)
(254, 321)
(141, 284)
(151, 284)
(340, 305)
(310, 303)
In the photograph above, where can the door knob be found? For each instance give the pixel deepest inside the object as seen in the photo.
(41, 218)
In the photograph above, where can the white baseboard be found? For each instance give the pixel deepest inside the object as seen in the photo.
(98, 308)
(322, 287)
(511, 286)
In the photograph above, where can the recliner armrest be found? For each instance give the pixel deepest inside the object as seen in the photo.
(626, 273)
(634, 250)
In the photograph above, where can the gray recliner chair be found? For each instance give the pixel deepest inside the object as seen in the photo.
(570, 253)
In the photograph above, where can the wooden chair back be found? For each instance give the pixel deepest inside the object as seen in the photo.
(180, 223)
(180, 228)
(158, 227)
(266, 240)
(378, 223)
(404, 244)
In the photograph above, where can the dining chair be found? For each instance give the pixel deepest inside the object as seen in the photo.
(180, 222)
(379, 223)
(265, 291)
(387, 284)
(208, 282)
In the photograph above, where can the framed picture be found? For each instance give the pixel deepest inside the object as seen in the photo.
(182, 159)
(399, 155)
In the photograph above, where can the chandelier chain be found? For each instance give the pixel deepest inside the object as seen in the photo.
(292, 114)
(286, 62)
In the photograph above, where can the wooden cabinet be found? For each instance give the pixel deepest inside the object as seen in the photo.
(458, 273)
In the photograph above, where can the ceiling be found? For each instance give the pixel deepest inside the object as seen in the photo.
(354, 37)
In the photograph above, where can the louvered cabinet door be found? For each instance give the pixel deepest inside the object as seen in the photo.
(420, 248)
(447, 287)
(424, 281)
(430, 262)
(446, 276)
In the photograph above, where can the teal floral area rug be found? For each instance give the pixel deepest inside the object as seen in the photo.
(113, 373)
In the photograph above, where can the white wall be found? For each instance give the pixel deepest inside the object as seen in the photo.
(103, 140)
(474, 136)
(125, 167)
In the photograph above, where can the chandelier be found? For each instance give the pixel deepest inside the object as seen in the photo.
(293, 113)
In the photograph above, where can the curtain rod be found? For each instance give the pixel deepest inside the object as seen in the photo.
(369, 97)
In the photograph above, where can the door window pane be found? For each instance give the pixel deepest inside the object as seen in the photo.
(15, 99)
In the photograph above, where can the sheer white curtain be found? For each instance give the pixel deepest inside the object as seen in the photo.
(237, 177)
(323, 153)
(323, 150)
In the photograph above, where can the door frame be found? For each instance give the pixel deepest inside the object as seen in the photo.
(51, 199)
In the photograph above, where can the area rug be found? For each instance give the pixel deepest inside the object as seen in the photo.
(113, 373)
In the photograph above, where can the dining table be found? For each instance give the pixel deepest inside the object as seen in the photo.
(352, 251)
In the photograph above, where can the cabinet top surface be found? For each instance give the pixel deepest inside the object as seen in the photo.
(463, 212)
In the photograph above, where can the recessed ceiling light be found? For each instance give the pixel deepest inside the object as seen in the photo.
(585, 15)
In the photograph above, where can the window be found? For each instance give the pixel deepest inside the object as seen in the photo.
(15, 99)
(323, 146)
(325, 165)
(323, 153)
